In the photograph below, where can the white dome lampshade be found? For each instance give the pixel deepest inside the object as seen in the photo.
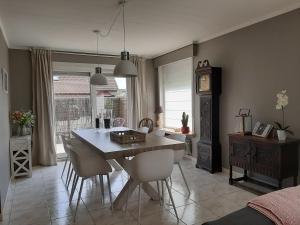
(98, 78)
(125, 68)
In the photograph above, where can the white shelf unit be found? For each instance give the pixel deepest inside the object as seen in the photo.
(20, 156)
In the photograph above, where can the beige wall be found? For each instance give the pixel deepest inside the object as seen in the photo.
(4, 125)
(257, 62)
(20, 81)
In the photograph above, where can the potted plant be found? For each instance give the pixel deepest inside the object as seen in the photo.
(282, 129)
(185, 119)
(23, 120)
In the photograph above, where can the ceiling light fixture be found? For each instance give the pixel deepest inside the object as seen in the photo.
(98, 78)
(125, 68)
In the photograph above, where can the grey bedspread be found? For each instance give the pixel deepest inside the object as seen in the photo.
(244, 216)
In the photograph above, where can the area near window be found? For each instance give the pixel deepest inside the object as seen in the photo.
(77, 103)
(175, 82)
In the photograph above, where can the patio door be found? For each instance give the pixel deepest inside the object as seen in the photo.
(72, 101)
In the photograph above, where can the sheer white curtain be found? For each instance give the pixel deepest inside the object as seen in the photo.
(137, 94)
(43, 151)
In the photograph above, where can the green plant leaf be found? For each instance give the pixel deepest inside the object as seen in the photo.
(279, 126)
(290, 132)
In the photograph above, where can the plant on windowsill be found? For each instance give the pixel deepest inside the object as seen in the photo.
(185, 119)
(282, 129)
(23, 120)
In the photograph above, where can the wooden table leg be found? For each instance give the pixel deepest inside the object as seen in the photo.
(115, 165)
(153, 194)
(127, 190)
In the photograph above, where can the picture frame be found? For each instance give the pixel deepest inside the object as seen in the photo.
(262, 129)
(4, 80)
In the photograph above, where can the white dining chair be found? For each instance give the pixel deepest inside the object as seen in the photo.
(86, 164)
(65, 140)
(178, 156)
(160, 132)
(148, 167)
(143, 130)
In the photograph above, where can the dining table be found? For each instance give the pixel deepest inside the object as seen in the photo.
(99, 140)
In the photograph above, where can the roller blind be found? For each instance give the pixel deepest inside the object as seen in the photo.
(175, 81)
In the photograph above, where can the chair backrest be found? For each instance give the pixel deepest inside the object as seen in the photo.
(119, 122)
(178, 154)
(153, 165)
(65, 140)
(177, 137)
(146, 122)
(160, 132)
(144, 130)
(86, 161)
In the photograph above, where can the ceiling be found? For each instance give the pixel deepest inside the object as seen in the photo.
(154, 27)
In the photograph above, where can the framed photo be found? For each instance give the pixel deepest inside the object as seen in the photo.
(262, 129)
(4, 80)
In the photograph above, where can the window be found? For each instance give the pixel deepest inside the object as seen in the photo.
(77, 103)
(175, 81)
(110, 101)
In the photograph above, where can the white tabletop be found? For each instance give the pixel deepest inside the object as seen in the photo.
(100, 139)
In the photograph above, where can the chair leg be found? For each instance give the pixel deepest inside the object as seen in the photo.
(66, 161)
(172, 200)
(102, 188)
(139, 203)
(70, 178)
(79, 196)
(171, 182)
(186, 184)
(75, 181)
(162, 193)
(158, 190)
(68, 173)
(109, 190)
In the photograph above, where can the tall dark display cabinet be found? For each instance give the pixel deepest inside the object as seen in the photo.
(208, 86)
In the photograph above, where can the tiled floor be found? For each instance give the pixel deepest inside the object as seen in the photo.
(43, 200)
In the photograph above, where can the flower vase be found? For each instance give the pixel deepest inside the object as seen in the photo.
(281, 135)
(21, 131)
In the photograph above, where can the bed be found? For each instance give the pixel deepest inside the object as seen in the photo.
(244, 216)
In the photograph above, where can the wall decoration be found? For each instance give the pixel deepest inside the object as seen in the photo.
(262, 129)
(4, 80)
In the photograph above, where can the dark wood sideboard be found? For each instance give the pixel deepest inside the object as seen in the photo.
(268, 157)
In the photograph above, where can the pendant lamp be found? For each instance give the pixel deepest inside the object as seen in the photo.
(98, 78)
(125, 68)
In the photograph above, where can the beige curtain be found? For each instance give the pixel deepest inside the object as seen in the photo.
(43, 149)
(137, 94)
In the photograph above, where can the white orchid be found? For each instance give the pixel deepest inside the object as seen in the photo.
(282, 100)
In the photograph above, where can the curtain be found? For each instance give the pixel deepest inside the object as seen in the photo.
(43, 149)
(137, 94)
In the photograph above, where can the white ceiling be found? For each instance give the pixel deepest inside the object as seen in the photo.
(153, 27)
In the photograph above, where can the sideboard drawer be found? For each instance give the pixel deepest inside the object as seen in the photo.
(265, 159)
(240, 154)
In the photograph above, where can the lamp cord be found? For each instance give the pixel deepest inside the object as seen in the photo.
(124, 29)
(111, 25)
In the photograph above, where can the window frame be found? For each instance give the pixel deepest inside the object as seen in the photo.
(162, 93)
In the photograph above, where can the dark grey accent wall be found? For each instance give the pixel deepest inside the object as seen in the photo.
(257, 62)
(182, 53)
(4, 125)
